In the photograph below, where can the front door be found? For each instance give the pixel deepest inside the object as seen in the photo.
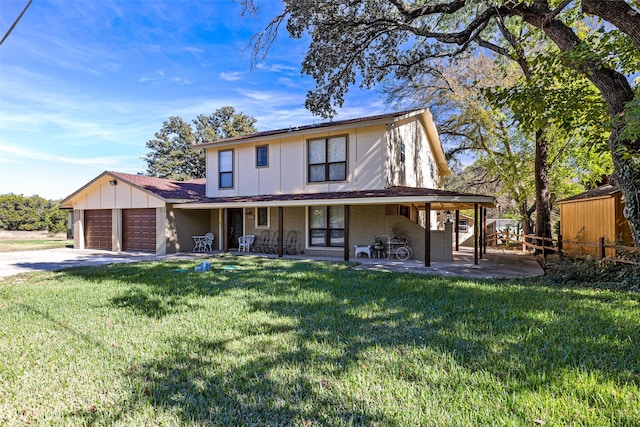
(234, 229)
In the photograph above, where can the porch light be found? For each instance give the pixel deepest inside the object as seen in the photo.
(113, 182)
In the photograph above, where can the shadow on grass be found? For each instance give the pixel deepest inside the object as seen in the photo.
(526, 335)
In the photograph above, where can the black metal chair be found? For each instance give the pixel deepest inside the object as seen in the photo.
(290, 243)
(261, 244)
(273, 245)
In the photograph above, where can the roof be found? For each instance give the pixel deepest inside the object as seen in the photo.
(165, 189)
(602, 191)
(441, 199)
(191, 195)
(381, 118)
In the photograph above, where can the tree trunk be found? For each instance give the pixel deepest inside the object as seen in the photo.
(617, 92)
(543, 201)
(617, 12)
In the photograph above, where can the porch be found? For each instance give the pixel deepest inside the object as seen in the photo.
(497, 263)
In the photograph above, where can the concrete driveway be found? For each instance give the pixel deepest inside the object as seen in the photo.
(55, 259)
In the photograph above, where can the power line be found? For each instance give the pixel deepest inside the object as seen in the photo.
(15, 22)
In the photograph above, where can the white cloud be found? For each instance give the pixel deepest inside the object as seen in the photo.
(26, 154)
(230, 76)
(275, 68)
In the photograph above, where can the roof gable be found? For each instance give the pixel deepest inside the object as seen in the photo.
(163, 189)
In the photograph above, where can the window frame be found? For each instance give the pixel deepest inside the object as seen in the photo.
(463, 227)
(268, 224)
(221, 172)
(326, 230)
(258, 147)
(327, 164)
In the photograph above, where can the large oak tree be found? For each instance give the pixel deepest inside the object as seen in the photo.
(365, 41)
(172, 155)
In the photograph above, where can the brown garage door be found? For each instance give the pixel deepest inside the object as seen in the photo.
(97, 225)
(139, 229)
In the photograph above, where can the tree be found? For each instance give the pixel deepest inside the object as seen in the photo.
(172, 155)
(33, 213)
(367, 40)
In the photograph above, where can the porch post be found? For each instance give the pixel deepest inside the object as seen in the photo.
(280, 231)
(475, 233)
(346, 232)
(427, 235)
(484, 226)
(457, 230)
(480, 230)
(225, 230)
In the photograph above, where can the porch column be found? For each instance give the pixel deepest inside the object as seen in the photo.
(280, 231)
(346, 232)
(457, 230)
(480, 230)
(475, 233)
(427, 235)
(484, 232)
(225, 230)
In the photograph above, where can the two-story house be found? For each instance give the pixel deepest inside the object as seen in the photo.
(315, 190)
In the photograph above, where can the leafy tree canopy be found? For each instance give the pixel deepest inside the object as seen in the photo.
(33, 213)
(365, 41)
(172, 155)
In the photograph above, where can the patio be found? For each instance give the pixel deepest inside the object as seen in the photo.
(495, 264)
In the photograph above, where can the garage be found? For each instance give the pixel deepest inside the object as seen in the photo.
(98, 229)
(139, 230)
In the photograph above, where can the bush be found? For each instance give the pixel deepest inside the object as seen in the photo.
(591, 273)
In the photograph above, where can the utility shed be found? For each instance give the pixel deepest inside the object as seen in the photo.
(588, 216)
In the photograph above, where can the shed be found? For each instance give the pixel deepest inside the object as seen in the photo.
(588, 216)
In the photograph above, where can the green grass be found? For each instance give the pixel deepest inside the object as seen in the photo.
(33, 244)
(273, 342)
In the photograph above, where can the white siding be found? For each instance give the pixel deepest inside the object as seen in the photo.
(419, 168)
(287, 170)
(102, 195)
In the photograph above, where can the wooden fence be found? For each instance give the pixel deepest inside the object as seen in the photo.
(602, 250)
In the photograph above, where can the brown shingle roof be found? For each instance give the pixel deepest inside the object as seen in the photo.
(193, 191)
(604, 190)
(337, 195)
(167, 189)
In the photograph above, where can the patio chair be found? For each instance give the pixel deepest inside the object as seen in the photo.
(261, 244)
(208, 242)
(290, 243)
(245, 242)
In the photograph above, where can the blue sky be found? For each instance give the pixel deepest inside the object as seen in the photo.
(84, 84)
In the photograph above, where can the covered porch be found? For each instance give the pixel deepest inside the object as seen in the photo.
(350, 219)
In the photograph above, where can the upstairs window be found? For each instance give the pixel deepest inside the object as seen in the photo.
(262, 156)
(403, 152)
(327, 159)
(225, 168)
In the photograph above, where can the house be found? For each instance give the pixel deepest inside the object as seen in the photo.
(596, 213)
(329, 185)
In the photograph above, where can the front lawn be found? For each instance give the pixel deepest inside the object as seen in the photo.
(269, 342)
(33, 244)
